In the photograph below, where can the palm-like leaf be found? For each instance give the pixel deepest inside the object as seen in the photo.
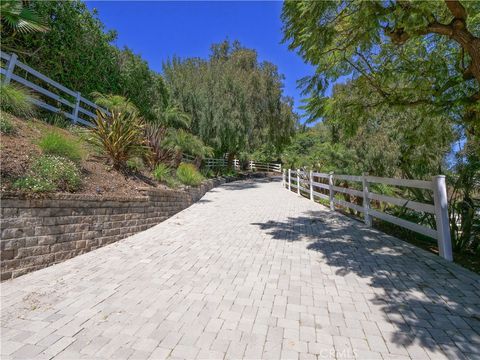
(174, 117)
(20, 18)
(115, 103)
(182, 141)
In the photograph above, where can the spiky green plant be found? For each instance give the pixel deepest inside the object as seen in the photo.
(162, 172)
(55, 143)
(174, 117)
(119, 136)
(189, 175)
(15, 100)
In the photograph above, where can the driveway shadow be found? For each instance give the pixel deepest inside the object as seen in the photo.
(429, 302)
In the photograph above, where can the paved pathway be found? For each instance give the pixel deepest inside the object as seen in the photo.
(251, 271)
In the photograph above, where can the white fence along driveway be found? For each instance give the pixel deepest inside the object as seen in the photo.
(250, 271)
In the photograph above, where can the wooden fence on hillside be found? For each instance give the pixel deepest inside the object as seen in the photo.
(324, 186)
(58, 98)
(264, 166)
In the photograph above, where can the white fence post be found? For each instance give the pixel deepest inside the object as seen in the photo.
(330, 188)
(298, 181)
(366, 202)
(441, 217)
(311, 185)
(77, 106)
(10, 67)
(283, 179)
(289, 179)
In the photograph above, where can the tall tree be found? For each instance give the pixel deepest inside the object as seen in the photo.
(235, 101)
(411, 52)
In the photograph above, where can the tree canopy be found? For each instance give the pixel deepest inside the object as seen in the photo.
(235, 101)
(409, 52)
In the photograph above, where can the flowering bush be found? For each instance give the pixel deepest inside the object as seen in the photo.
(50, 173)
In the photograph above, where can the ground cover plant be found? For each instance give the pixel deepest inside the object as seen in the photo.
(188, 174)
(14, 99)
(51, 173)
(55, 143)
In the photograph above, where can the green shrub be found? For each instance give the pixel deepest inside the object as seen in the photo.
(15, 100)
(163, 173)
(119, 136)
(189, 175)
(50, 173)
(54, 143)
(6, 127)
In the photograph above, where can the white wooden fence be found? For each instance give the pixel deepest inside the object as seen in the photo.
(268, 167)
(80, 110)
(305, 185)
(221, 162)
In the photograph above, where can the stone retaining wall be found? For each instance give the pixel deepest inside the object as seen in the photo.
(40, 232)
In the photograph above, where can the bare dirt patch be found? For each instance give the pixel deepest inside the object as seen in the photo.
(20, 149)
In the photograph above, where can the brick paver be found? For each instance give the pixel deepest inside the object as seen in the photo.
(251, 271)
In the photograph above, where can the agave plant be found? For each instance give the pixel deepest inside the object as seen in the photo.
(20, 18)
(119, 136)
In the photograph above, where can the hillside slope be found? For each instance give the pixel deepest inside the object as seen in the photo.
(20, 148)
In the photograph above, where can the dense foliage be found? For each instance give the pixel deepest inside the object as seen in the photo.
(77, 52)
(234, 100)
(405, 100)
(409, 52)
(230, 101)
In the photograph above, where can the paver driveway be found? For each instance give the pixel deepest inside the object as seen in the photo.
(250, 271)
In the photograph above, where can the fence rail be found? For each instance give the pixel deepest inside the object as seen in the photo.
(78, 105)
(305, 185)
(210, 163)
(268, 167)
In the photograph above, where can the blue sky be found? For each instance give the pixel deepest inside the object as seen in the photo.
(159, 30)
